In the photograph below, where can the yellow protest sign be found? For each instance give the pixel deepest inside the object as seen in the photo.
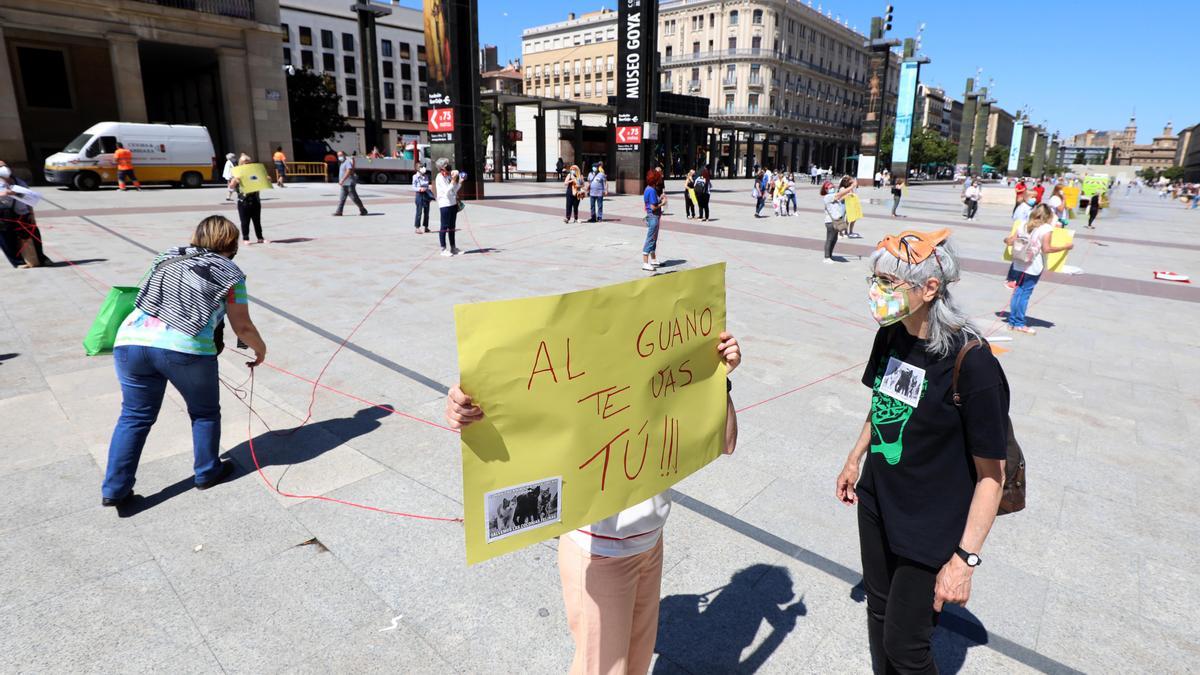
(252, 178)
(1071, 196)
(1059, 236)
(1008, 247)
(854, 211)
(593, 401)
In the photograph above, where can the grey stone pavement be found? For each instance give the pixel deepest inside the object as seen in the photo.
(1097, 575)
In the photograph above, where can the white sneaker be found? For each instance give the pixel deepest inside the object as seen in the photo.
(655, 263)
(446, 253)
(827, 261)
(647, 267)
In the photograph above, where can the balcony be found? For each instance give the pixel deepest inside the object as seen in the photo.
(755, 81)
(729, 82)
(239, 9)
(759, 54)
(693, 86)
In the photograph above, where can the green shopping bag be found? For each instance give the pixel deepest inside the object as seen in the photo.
(117, 306)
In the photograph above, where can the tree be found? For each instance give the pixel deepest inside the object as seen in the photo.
(885, 146)
(1173, 173)
(997, 156)
(1080, 157)
(1149, 174)
(313, 104)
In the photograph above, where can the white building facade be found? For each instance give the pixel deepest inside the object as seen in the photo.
(322, 36)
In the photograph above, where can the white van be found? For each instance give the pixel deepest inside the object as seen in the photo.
(162, 153)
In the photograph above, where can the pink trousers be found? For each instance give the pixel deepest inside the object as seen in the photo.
(612, 608)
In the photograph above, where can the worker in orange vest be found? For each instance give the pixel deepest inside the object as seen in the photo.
(280, 160)
(124, 159)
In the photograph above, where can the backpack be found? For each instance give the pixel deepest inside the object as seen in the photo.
(1024, 248)
(700, 186)
(1012, 499)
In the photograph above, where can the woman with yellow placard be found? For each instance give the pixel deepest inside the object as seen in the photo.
(1030, 244)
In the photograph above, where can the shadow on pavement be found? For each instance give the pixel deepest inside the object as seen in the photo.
(284, 447)
(68, 263)
(707, 633)
(1029, 320)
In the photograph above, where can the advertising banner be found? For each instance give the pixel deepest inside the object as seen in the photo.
(904, 111)
(1014, 150)
(439, 55)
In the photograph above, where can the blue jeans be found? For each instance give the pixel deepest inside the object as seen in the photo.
(1020, 299)
(758, 204)
(597, 207)
(649, 248)
(144, 373)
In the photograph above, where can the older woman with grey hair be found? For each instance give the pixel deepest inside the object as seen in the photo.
(933, 477)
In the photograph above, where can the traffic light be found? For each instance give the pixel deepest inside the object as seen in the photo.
(887, 19)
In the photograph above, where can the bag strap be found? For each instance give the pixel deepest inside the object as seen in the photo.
(962, 354)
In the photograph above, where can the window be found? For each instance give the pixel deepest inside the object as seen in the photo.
(348, 64)
(733, 18)
(612, 86)
(732, 43)
(557, 42)
(425, 113)
(577, 39)
(752, 105)
(385, 49)
(351, 86)
(287, 56)
(756, 43)
(306, 59)
(587, 38)
(347, 42)
(408, 112)
(45, 79)
(389, 91)
(388, 70)
(712, 20)
(404, 51)
(287, 35)
(577, 71)
(587, 89)
(756, 17)
(390, 111)
(423, 93)
(730, 74)
(557, 69)
(612, 34)
(327, 39)
(306, 36)
(352, 108)
(406, 92)
(537, 70)
(696, 48)
(420, 52)
(611, 64)
(729, 103)
(668, 52)
(557, 91)
(421, 74)
(755, 73)
(328, 62)
(587, 66)
(405, 71)
(599, 64)
(577, 89)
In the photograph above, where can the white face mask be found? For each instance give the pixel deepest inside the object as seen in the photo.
(5, 172)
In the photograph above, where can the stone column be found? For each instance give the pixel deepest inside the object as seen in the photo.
(127, 76)
(12, 138)
(239, 116)
(264, 88)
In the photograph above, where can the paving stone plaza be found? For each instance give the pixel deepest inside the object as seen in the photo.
(1096, 575)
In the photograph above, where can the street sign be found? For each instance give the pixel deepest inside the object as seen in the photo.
(441, 125)
(629, 138)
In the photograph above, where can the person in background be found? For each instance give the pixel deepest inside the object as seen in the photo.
(227, 174)
(375, 154)
(689, 189)
(280, 161)
(779, 190)
(835, 212)
(171, 337)
(20, 236)
(611, 570)
(652, 201)
(971, 197)
(124, 159)
(348, 180)
(1058, 204)
(759, 190)
(789, 194)
(703, 193)
(420, 186)
(331, 166)
(1093, 210)
(1040, 190)
(249, 206)
(1030, 245)
(597, 185)
(933, 474)
(899, 185)
(446, 185)
(574, 185)
(558, 168)
(878, 180)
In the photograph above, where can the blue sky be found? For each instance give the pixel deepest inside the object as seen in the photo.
(1074, 64)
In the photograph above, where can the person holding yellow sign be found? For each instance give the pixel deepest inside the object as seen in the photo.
(249, 180)
(1030, 243)
(611, 570)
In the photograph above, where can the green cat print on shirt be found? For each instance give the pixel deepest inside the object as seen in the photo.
(889, 416)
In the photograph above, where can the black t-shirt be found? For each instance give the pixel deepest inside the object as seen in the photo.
(919, 475)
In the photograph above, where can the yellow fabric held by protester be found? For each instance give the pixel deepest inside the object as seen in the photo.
(1059, 236)
(854, 211)
(594, 401)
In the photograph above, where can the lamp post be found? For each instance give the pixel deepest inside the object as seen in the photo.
(877, 73)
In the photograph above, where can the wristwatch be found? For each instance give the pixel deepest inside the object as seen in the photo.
(972, 559)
